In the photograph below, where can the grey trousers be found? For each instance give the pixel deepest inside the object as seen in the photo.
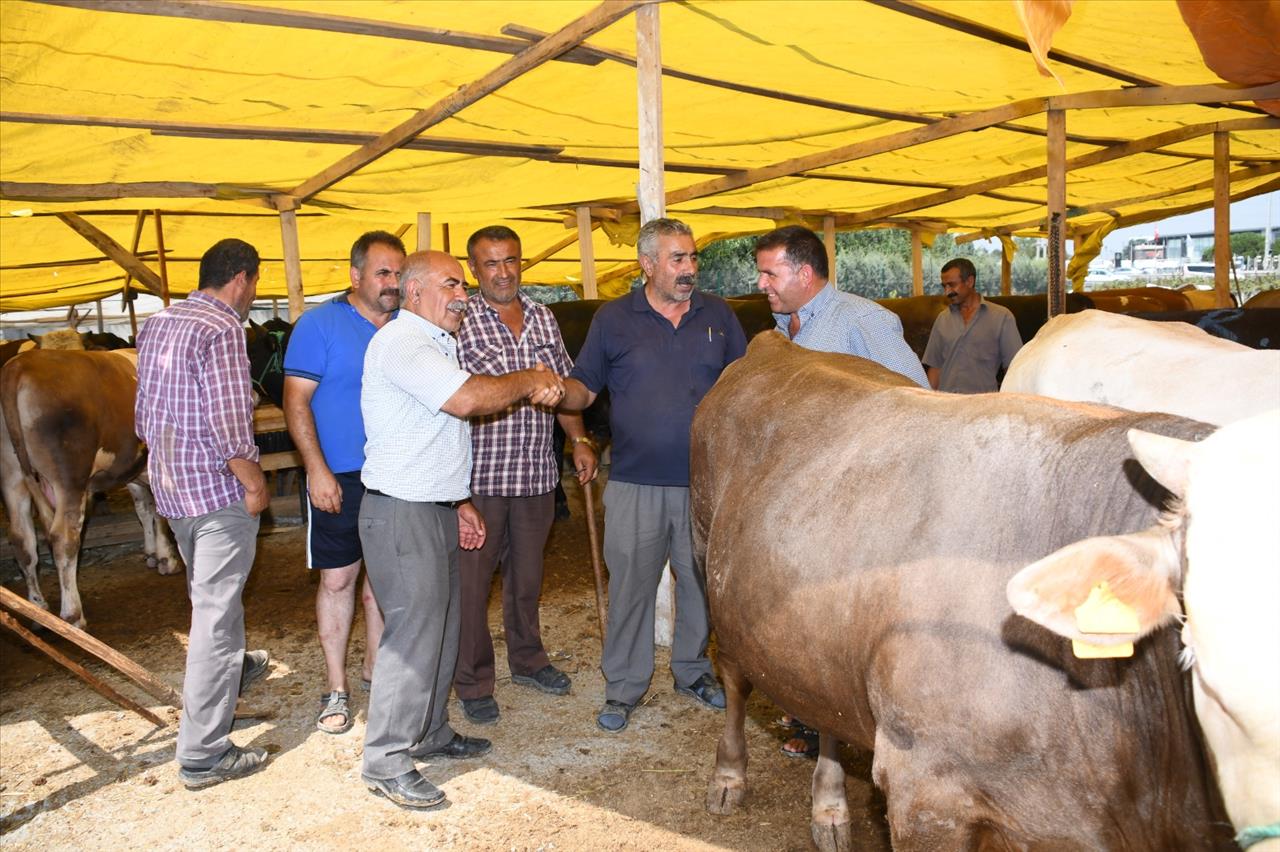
(517, 534)
(218, 549)
(411, 556)
(645, 525)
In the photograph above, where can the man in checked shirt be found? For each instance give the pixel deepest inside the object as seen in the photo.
(195, 413)
(513, 479)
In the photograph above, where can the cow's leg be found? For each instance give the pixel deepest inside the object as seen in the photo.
(155, 530)
(728, 785)
(22, 527)
(830, 825)
(64, 541)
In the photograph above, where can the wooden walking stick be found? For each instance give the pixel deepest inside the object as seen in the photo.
(593, 539)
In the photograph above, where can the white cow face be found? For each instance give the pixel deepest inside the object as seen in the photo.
(1228, 527)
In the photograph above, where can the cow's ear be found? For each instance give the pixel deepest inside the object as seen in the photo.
(1165, 459)
(1141, 569)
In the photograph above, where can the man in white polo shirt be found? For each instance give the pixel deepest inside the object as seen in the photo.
(415, 400)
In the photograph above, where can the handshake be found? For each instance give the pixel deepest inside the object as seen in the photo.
(544, 386)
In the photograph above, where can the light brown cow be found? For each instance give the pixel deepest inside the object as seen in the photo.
(66, 431)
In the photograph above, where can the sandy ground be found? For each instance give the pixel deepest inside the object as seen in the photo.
(78, 772)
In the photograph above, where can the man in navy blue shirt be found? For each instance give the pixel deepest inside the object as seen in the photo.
(323, 367)
(658, 350)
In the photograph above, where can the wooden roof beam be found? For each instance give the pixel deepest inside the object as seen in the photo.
(550, 47)
(17, 191)
(297, 18)
(1115, 152)
(112, 249)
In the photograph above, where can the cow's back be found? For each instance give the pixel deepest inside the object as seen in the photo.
(856, 563)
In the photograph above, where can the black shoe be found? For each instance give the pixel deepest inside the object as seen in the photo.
(235, 762)
(548, 679)
(409, 790)
(255, 666)
(482, 711)
(706, 691)
(614, 715)
(458, 748)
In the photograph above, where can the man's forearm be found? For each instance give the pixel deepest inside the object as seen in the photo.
(249, 473)
(481, 395)
(302, 429)
(576, 396)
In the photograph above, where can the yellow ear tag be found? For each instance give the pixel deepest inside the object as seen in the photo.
(1103, 612)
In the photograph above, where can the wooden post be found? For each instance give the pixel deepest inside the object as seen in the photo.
(444, 238)
(98, 308)
(587, 252)
(1006, 274)
(424, 232)
(1056, 156)
(292, 262)
(164, 271)
(917, 265)
(275, 308)
(1222, 259)
(651, 190)
(128, 278)
(829, 240)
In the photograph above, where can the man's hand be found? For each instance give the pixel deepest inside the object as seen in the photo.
(548, 388)
(584, 462)
(325, 493)
(257, 500)
(471, 531)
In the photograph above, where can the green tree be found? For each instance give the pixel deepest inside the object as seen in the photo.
(1244, 244)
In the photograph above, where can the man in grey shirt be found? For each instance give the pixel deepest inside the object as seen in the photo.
(973, 340)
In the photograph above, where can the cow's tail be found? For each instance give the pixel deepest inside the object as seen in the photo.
(10, 382)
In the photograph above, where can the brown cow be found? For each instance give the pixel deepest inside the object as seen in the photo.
(66, 431)
(856, 562)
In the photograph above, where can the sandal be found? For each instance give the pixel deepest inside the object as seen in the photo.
(804, 737)
(334, 704)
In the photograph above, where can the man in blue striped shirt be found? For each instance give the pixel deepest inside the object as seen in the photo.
(812, 313)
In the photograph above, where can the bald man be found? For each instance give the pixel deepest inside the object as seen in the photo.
(416, 513)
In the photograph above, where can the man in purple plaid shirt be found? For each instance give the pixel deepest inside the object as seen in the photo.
(513, 479)
(195, 413)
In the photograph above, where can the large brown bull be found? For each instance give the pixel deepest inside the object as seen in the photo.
(856, 562)
(66, 431)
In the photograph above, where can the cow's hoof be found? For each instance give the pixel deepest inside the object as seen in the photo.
(152, 562)
(168, 566)
(831, 837)
(724, 796)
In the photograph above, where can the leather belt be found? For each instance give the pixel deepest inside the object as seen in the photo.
(444, 504)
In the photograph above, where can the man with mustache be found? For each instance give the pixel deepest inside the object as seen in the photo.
(416, 399)
(194, 410)
(513, 479)
(323, 365)
(658, 350)
(973, 341)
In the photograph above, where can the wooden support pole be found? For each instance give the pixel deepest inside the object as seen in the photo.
(97, 305)
(78, 670)
(292, 262)
(587, 252)
(1057, 214)
(1221, 220)
(444, 238)
(917, 264)
(126, 260)
(128, 278)
(164, 270)
(1006, 274)
(275, 309)
(829, 241)
(651, 193)
(144, 679)
(424, 232)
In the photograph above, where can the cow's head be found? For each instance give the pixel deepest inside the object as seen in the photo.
(1219, 546)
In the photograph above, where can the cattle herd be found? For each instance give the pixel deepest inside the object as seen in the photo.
(947, 581)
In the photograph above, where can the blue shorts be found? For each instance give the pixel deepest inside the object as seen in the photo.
(333, 541)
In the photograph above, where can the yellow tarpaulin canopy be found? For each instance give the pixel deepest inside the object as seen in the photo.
(211, 112)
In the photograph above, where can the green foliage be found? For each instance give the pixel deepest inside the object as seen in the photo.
(1245, 244)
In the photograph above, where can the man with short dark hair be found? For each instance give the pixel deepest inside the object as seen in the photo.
(416, 399)
(513, 477)
(792, 262)
(973, 341)
(323, 367)
(658, 350)
(194, 410)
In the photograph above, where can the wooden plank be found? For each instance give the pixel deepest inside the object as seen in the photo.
(97, 309)
(1006, 275)
(1056, 155)
(164, 269)
(549, 48)
(78, 670)
(1213, 93)
(268, 418)
(298, 18)
(829, 242)
(292, 263)
(424, 232)
(127, 667)
(16, 191)
(650, 189)
(1222, 259)
(554, 248)
(587, 252)
(917, 264)
(112, 249)
(280, 461)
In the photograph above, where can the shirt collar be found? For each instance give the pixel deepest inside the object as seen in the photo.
(201, 296)
(982, 304)
(436, 332)
(640, 302)
(813, 307)
(478, 303)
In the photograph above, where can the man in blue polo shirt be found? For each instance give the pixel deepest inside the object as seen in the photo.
(658, 350)
(323, 367)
